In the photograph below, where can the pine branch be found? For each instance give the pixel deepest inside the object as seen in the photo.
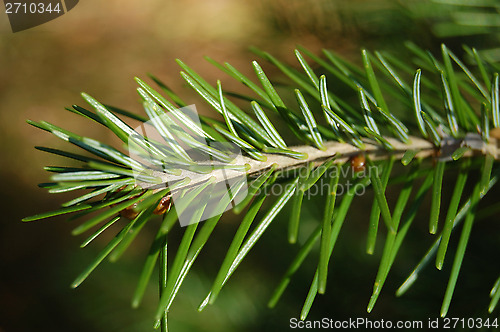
(344, 152)
(436, 112)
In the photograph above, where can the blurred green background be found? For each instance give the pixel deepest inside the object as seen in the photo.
(99, 47)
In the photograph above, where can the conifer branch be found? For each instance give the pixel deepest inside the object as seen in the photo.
(436, 112)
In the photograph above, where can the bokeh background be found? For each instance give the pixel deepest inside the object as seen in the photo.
(98, 47)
